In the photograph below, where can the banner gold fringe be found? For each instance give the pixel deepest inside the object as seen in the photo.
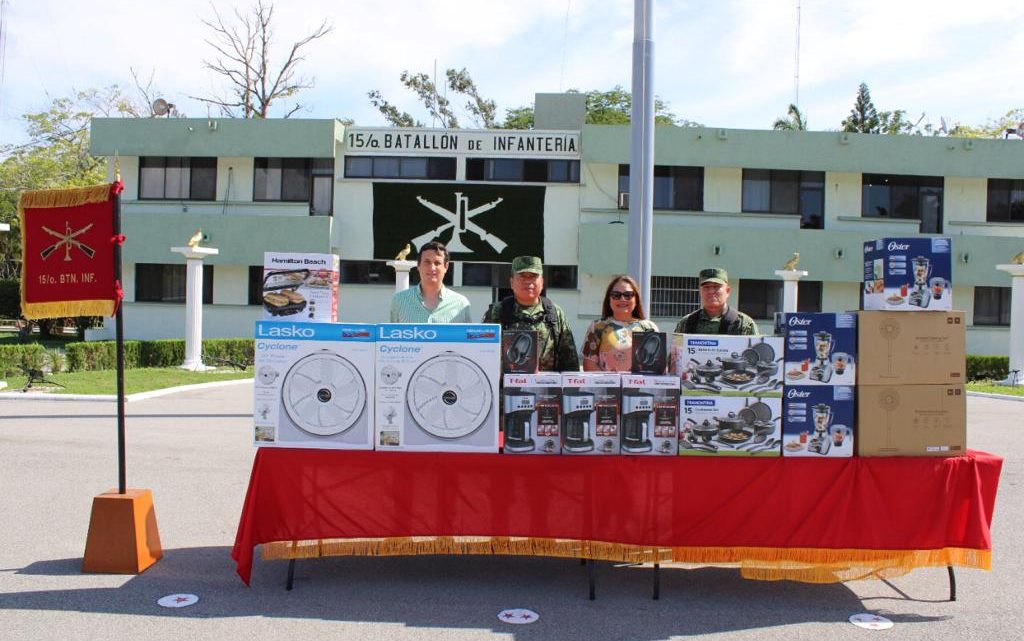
(807, 565)
(58, 309)
(72, 197)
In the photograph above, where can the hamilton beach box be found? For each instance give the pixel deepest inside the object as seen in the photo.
(300, 287)
(531, 413)
(437, 387)
(818, 421)
(728, 365)
(650, 415)
(820, 347)
(314, 385)
(730, 426)
(590, 413)
(908, 274)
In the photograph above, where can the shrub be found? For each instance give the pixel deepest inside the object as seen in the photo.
(987, 367)
(158, 353)
(162, 353)
(100, 355)
(13, 357)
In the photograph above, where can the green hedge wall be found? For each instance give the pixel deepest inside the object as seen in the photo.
(987, 367)
(159, 353)
(13, 356)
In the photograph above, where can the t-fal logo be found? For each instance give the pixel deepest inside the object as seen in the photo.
(633, 381)
(795, 393)
(572, 380)
(517, 380)
(799, 322)
(406, 333)
(893, 246)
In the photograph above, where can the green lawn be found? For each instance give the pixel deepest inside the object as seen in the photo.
(135, 380)
(991, 388)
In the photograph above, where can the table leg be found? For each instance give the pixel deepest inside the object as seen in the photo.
(657, 582)
(291, 575)
(590, 578)
(952, 583)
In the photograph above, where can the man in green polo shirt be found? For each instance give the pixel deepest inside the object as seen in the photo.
(715, 315)
(430, 301)
(527, 309)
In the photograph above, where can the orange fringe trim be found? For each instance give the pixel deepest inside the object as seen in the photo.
(807, 565)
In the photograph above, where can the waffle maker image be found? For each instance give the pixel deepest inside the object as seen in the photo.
(280, 292)
(449, 397)
(322, 395)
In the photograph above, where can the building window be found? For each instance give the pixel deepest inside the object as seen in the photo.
(673, 296)
(778, 191)
(498, 274)
(158, 283)
(761, 299)
(163, 178)
(410, 168)
(1005, 201)
(904, 197)
(676, 188)
(523, 170)
(992, 306)
(255, 284)
(296, 180)
(366, 272)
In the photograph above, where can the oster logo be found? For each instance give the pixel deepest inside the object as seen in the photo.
(893, 246)
(795, 393)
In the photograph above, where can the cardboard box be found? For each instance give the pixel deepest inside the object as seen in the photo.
(437, 387)
(300, 287)
(531, 413)
(590, 413)
(911, 420)
(818, 421)
(650, 415)
(730, 426)
(519, 351)
(728, 365)
(908, 274)
(894, 348)
(649, 353)
(820, 348)
(314, 385)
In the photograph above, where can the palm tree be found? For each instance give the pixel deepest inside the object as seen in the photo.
(794, 120)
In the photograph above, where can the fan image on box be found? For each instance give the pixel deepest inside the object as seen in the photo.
(889, 401)
(578, 411)
(449, 396)
(519, 408)
(821, 441)
(921, 295)
(823, 346)
(636, 421)
(323, 394)
(519, 351)
(890, 330)
(279, 295)
(649, 353)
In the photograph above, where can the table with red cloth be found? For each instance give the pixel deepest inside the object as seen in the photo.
(815, 520)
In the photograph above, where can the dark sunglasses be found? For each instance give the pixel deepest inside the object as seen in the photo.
(620, 295)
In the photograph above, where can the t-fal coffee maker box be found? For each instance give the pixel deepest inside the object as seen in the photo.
(437, 387)
(531, 413)
(590, 413)
(300, 287)
(650, 353)
(911, 420)
(519, 352)
(650, 415)
(820, 348)
(903, 349)
(818, 421)
(728, 365)
(314, 385)
(908, 274)
(730, 426)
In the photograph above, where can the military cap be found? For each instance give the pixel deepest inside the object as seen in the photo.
(527, 264)
(714, 275)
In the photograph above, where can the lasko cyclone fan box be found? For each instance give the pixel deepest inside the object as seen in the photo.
(650, 415)
(437, 387)
(908, 274)
(300, 287)
(531, 413)
(728, 365)
(730, 426)
(590, 413)
(314, 385)
(818, 421)
(820, 348)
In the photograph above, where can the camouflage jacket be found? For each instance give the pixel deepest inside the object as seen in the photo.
(708, 325)
(558, 352)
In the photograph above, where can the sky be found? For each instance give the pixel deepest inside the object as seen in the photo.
(721, 63)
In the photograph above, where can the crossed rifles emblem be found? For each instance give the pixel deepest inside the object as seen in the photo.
(67, 241)
(461, 221)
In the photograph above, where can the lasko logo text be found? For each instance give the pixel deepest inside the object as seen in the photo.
(799, 321)
(288, 331)
(795, 393)
(894, 245)
(406, 333)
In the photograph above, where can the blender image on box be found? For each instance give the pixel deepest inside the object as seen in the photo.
(820, 347)
(590, 413)
(818, 421)
(531, 413)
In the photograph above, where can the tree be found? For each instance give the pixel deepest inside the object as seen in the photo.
(863, 117)
(614, 107)
(997, 128)
(255, 83)
(794, 120)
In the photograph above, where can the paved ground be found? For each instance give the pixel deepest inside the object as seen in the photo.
(193, 450)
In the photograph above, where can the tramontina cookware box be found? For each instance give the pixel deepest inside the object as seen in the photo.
(300, 287)
(818, 421)
(895, 348)
(437, 387)
(314, 385)
(820, 347)
(531, 413)
(908, 274)
(730, 426)
(911, 420)
(728, 365)
(649, 415)
(590, 413)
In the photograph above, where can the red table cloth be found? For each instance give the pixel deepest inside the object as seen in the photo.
(805, 519)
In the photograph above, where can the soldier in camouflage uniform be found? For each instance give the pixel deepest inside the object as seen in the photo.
(715, 315)
(527, 309)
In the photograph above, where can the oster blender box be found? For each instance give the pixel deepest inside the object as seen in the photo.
(820, 348)
(908, 274)
(818, 421)
(531, 413)
(590, 413)
(650, 415)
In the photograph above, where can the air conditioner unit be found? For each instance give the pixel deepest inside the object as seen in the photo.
(623, 200)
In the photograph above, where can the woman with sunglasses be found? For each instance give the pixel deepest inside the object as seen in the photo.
(607, 345)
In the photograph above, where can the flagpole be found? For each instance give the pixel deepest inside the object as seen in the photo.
(119, 340)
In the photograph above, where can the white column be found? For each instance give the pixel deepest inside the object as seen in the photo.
(194, 304)
(402, 268)
(790, 278)
(1016, 323)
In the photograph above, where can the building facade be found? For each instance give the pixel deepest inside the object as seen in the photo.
(740, 199)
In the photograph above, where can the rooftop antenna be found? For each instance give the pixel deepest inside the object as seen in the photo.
(796, 74)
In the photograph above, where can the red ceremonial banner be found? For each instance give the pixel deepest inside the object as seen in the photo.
(67, 245)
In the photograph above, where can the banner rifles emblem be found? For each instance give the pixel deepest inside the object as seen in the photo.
(67, 241)
(461, 221)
